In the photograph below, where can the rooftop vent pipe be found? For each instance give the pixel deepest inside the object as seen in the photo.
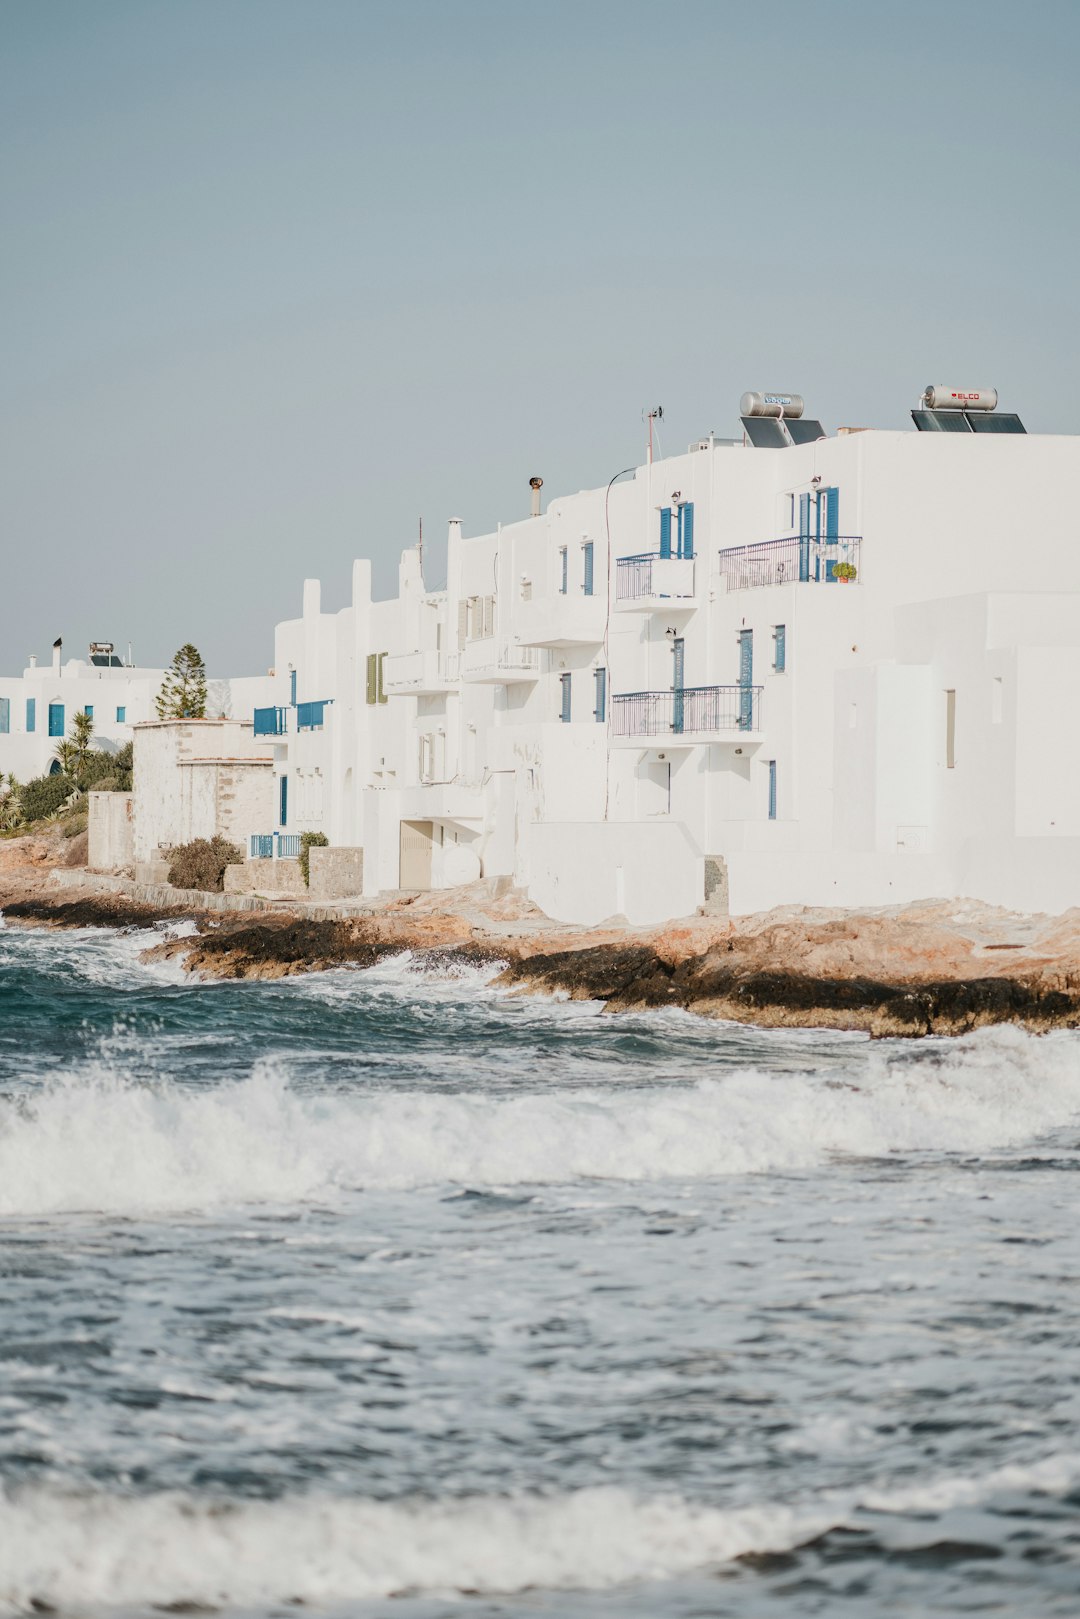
(535, 484)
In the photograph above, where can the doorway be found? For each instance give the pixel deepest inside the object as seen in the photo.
(417, 838)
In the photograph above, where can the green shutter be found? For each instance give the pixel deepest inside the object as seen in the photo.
(372, 677)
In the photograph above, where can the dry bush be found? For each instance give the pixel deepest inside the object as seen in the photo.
(201, 863)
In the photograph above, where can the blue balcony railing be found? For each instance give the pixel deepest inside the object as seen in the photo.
(273, 845)
(692, 711)
(270, 721)
(797, 560)
(309, 716)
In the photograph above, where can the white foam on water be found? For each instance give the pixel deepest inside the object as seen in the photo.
(67, 1549)
(98, 1143)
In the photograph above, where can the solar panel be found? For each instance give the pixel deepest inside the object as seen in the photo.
(765, 432)
(803, 429)
(940, 421)
(988, 422)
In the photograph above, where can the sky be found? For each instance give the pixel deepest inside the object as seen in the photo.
(281, 278)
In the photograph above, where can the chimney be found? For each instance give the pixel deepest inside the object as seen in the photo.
(535, 484)
(57, 648)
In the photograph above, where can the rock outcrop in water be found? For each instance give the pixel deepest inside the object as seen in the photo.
(935, 968)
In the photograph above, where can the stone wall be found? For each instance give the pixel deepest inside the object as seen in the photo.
(336, 873)
(111, 840)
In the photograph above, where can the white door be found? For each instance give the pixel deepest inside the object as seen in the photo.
(416, 840)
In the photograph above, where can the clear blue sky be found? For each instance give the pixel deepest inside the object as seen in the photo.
(279, 276)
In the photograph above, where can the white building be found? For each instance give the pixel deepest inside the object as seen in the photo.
(670, 670)
(38, 707)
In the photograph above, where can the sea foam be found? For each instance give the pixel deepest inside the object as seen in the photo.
(95, 1142)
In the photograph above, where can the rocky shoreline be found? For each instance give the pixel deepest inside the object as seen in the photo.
(910, 971)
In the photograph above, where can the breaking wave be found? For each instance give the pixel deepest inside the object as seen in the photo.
(58, 1549)
(97, 1142)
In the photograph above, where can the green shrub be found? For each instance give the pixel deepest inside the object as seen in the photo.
(201, 863)
(72, 825)
(309, 841)
(43, 796)
(108, 772)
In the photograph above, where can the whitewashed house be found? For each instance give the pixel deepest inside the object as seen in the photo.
(37, 708)
(665, 681)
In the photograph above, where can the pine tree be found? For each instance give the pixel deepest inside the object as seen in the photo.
(183, 691)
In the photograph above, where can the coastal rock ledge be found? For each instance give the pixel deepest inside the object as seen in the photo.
(942, 968)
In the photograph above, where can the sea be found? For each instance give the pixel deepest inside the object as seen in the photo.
(390, 1293)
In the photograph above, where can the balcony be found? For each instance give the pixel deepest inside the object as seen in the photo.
(498, 663)
(417, 674)
(654, 583)
(560, 620)
(271, 721)
(694, 716)
(798, 560)
(311, 716)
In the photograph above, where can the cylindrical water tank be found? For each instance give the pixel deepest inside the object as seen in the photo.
(937, 398)
(771, 404)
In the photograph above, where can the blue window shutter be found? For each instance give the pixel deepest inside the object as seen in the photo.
(564, 682)
(780, 652)
(31, 714)
(56, 719)
(804, 538)
(121, 716)
(772, 789)
(686, 529)
(804, 515)
(588, 549)
(89, 711)
(283, 818)
(563, 571)
(292, 687)
(5, 715)
(600, 711)
(665, 531)
(832, 514)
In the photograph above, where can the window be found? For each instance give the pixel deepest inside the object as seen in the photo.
(587, 550)
(292, 687)
(89, 711)
(5, 715)
(600, 709)
(283, 800)
(564, 682)
(665, 531)
(772, 789)
(950, 730)
(56, 719)
(685, 539)
(563, 570)
(779, 661)
(31, 714)
(121, 715)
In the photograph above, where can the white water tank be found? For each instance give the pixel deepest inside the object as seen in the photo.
(771, 404)
(938, 398)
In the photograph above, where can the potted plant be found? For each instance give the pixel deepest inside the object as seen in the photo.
(845, 572)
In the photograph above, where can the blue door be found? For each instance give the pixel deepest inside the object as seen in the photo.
(804, 538)
(829, 528)
(746, 680)
(678, 684)
(686, 529)
(56, 719)
(283, 818)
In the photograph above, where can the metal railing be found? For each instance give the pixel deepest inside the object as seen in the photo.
(798, 560)
(490, 656)
(273, 845)
(310, 716)
(653, 575)
(692, 710)
(271, 721)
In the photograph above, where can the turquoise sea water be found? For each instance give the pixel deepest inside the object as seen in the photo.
(383, 1292)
